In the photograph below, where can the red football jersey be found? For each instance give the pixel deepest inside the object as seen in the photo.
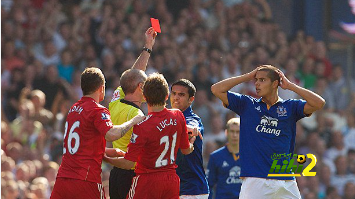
(84, 140)
(156, 140)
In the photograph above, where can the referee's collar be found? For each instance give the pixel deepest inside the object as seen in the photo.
(129, 103)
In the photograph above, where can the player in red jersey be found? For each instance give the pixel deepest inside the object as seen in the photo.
(87, 128)
(154, 145)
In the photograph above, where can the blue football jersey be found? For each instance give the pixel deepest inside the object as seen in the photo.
(190, 167)
(223, 171)
(264, 132)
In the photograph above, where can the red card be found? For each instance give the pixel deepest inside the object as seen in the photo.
(155, 24)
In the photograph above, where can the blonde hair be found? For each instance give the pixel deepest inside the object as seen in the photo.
(234, 120)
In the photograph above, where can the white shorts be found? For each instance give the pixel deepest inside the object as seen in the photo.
(204, 196)
(269, 189)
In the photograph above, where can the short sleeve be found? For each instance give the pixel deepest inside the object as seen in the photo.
(236, 102)
(298, 108)
(102, 121)
(184, 142)
(136, 144)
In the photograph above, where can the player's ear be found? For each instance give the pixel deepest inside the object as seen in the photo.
(191, 99)
(140, 85)
(276, 84)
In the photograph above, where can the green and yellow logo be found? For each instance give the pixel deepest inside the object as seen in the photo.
(277, 170)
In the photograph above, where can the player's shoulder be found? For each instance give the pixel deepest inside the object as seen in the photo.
(144, 122)
(175, 111)
(219, 151)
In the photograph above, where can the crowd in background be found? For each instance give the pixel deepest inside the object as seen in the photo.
(47, 44)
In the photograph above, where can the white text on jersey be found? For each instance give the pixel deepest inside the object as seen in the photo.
(165, 123)
(78, 109)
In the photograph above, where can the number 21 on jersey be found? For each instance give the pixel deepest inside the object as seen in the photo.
(160, 162)
(72, 135)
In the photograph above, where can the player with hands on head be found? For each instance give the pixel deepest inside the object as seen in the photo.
(88, 126)
(154, 145)
(125, 104)
(266, 120)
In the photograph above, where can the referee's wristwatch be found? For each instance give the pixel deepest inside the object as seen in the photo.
(147, 49)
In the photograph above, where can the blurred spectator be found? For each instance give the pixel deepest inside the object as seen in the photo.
(50, 85)
(41, 114)
(66, 67)
(349, 190)
(307, 73)
(341, 177)
(341, 89)
(49, 56)
(337, 146)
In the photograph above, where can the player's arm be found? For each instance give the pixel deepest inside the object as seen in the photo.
(142, 61)
(119, 162)
(114, 152)
(191, 147)
(221, 88)
(314, 102)
(118, 131)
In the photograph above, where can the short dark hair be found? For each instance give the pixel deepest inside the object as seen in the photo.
(271, 72)
(186, 83)
(91, 79)
(156, 89)
(130, 79)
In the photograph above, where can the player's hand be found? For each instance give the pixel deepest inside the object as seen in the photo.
(192, 140)
(150, 35)
(194, 131)
(120, 153)
(284, 82)
(113, 152)
(252, 74)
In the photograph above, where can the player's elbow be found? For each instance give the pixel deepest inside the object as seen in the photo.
(214, 89)
(320, 105)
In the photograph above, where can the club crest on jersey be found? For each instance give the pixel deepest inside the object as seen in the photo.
(133, 138)
(105, 116)
(281, 111)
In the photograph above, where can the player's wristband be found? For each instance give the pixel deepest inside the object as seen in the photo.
(147, 49)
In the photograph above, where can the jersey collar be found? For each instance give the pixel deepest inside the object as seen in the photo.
(129, 103)
(268, 107)
(188, 111)
(278, 100)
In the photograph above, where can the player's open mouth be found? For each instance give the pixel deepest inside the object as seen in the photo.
(257, 90)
